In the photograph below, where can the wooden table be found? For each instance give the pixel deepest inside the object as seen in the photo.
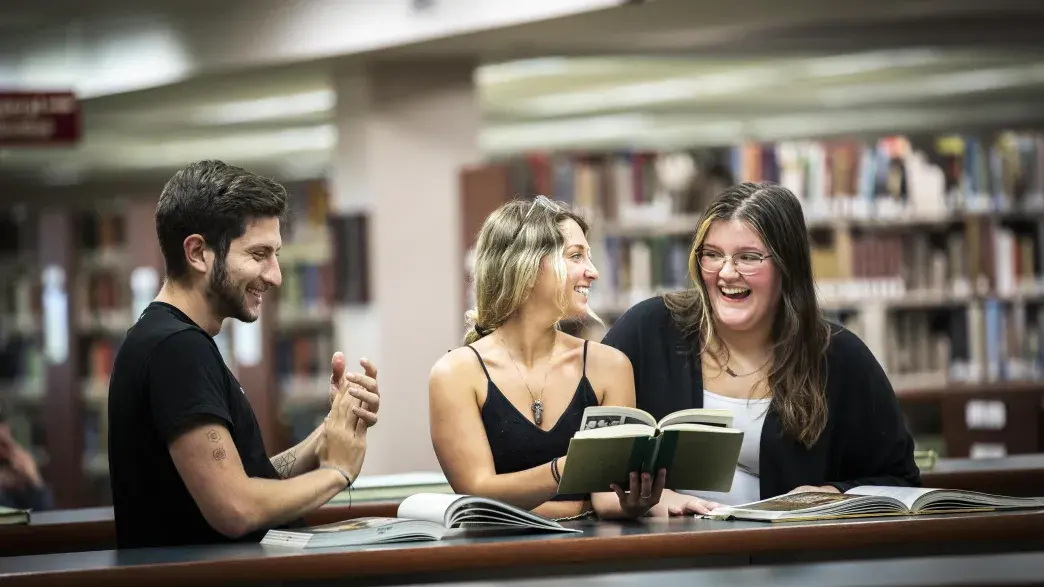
(644, 545)
(95, 528)
(1014, 475)
(1020, 569)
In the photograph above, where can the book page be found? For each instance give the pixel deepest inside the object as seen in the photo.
(721, 418)
(793, 502)
(616, 431)
(907, 495)
(430, 507)
(603, 416)
(353, 525)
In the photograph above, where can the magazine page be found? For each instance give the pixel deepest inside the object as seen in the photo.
(430, 507)
(907, 495)
(349, 525)
(480, 511)
(792, 502)
(603, 416)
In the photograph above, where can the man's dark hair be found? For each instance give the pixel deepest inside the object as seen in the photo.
(217, 201)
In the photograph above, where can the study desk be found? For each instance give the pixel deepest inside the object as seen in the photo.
(643, 545)
(92, 528)
(996, 570)
(1013, 475)
(95, 529)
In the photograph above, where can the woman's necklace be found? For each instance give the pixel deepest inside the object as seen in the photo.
(733, 373)
(736, 375)
(537, 407)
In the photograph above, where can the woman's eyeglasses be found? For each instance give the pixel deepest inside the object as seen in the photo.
(745, 263)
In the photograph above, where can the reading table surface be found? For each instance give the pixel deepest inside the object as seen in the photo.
(93, 528)
(644, 545)
(997, 569)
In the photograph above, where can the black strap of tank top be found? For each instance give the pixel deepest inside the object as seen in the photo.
(483, 363)
(584, 367)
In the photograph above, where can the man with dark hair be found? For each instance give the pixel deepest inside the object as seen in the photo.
(186, 460)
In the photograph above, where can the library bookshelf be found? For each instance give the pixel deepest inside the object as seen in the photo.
(930, 249)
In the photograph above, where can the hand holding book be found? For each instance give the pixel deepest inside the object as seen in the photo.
(698, 449)
(644, 493)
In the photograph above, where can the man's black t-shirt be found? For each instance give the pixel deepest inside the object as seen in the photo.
(168, 375)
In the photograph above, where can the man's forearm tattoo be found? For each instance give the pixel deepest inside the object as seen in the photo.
(284, 463)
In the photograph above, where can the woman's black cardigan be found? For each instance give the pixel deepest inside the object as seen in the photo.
(865, 441)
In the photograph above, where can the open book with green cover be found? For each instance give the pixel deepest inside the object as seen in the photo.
(699, 448)
(422, 516)
(871, 501)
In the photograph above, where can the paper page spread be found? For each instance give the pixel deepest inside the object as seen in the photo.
(431, 507)
(618, 431)
(602, 416)
(907, 495)
(698, 416)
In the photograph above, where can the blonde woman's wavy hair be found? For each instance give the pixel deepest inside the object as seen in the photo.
(513, 241)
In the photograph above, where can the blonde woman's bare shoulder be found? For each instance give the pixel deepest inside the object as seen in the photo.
(459, 364)
(607, 359)
(568, 341)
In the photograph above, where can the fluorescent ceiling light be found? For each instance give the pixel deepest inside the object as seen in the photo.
(933, 86)
(275, 107)
(528, 69)
(146, 55)
(857, 63)
(599, 129)
(652, 92)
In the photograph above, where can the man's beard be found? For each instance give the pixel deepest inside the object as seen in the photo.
(227, 300)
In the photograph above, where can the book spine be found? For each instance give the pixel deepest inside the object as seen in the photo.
(668, 444)
(640, 453)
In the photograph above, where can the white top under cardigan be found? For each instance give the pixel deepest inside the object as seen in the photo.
(748, 416)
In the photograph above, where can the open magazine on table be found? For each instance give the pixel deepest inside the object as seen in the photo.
(871, 501)
(422, 516)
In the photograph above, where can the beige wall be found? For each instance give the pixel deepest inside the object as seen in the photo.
(405, 131)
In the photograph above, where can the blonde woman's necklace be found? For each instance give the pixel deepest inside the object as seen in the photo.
(537, 407)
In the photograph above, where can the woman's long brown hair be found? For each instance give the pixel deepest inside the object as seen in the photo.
(800, 334)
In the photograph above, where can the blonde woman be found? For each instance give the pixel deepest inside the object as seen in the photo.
(504, 406)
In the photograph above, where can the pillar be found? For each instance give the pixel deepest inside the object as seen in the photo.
(405, 131)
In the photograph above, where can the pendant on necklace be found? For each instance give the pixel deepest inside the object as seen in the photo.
(538, 412)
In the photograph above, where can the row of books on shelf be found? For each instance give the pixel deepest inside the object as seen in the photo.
(1005, 258)
(888, 177)
(306, 294)
(986, 341)
(979, 255)
(101, 229)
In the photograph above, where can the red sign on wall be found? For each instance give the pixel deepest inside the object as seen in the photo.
(39, 118)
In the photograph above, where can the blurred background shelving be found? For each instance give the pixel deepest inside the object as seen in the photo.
(929, 248)
(910, 130)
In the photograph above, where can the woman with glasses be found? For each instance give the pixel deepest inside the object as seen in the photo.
(817, 410)
(504, 406)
